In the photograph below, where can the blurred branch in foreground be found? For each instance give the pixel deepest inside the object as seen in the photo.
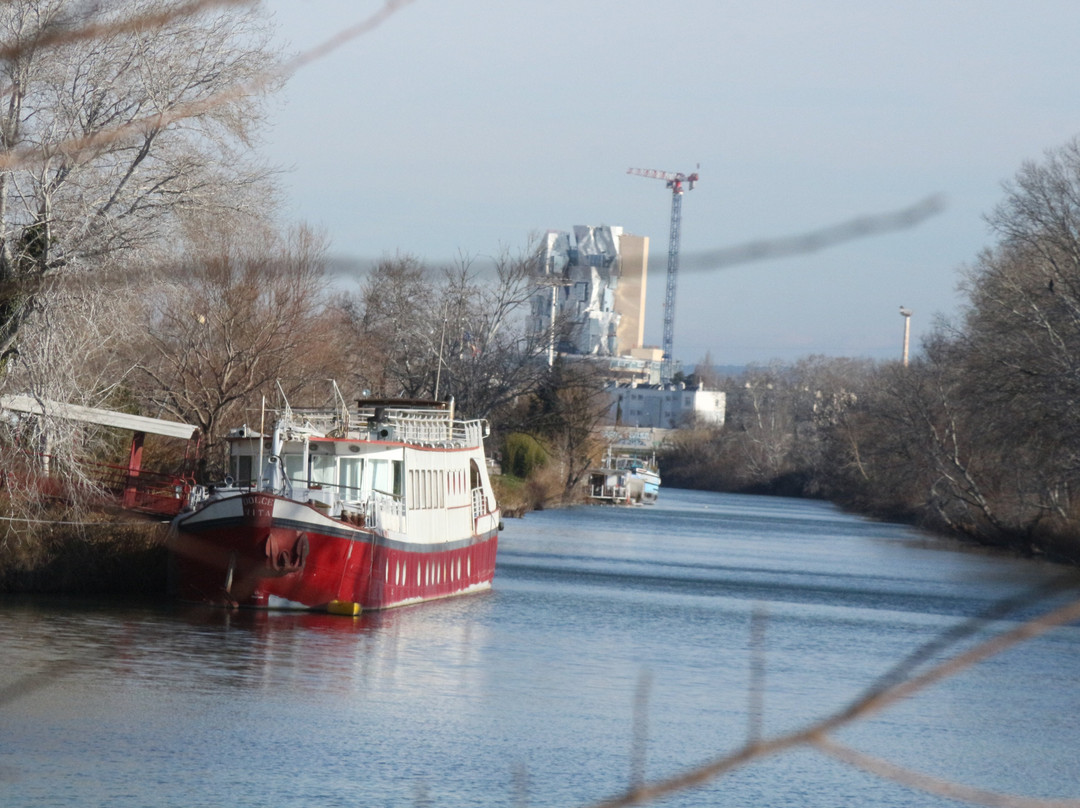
(68, 32)
(932, 785)
(874, 701)
(831, 236)
(816, 736)
(763, 250)
(20, 157)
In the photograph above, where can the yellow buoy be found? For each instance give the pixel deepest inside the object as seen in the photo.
(343, 607)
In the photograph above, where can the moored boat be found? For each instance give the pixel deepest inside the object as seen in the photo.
(644, 481)
(384, 505)
(624, 480)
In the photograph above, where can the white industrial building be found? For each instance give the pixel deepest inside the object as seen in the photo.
(669, 406)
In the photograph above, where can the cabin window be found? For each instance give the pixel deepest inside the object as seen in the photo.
(349, 477)
(323, 469)
(381, 476)
(241, 469)
(397, 469)
(294, 467)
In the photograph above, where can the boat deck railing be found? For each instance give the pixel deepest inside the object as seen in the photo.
(409, 425)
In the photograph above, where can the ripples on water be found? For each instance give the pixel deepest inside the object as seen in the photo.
(531, 687)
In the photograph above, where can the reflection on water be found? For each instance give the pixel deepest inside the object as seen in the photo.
(448, 703)
(202, 647)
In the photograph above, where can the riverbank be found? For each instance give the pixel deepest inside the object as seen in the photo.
(1044, 543)
(103, 554)
(540, 491)
(121, 554)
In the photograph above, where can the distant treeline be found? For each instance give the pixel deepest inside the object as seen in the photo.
(978, 436)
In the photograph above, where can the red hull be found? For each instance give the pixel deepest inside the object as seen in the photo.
(307, 560)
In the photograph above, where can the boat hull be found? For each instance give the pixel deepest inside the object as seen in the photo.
(263, 550)
(644, 486)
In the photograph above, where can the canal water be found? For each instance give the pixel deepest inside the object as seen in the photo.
(527, 695)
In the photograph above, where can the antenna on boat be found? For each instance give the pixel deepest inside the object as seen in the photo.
(288, 410)
(262, 440)
(344, 408)
(438, 367)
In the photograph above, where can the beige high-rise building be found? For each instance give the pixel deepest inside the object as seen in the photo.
(630, 293)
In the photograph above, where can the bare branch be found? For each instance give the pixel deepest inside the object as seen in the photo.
(640, 731)
(816, 240)
(873, 703)
(55, 35)
(18, 158)
(756, 718)
(932, 785)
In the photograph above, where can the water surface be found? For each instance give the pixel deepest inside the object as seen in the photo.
(525, 695)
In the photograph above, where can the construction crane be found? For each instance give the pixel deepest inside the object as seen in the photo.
(675, 182)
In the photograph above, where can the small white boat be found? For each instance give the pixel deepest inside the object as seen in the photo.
(624, 480)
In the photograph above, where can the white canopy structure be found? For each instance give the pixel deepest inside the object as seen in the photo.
(132, 495)
(93, 415)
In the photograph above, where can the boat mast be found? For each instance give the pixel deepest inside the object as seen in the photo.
(262, 439)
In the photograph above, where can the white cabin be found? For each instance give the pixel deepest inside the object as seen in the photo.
(411, 472)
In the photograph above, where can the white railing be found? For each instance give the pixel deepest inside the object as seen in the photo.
(387, 512)
(409, 425)
(471, 433)
(421, 426)
(479, 503)
(616, 493)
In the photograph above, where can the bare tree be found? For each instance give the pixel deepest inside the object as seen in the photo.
(566, 413)
(490, 359)
(393, 325)
(73, 198)
(459, 332)
(248, 313)
(72, 352)
(1015, 357)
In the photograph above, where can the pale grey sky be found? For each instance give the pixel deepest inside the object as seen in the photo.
(465, 126)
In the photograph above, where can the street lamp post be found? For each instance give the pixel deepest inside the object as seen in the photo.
(906, 314)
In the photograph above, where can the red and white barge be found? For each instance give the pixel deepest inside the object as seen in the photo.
(380, 506)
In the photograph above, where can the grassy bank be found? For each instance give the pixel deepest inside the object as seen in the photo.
(102, 555)
(540, 490)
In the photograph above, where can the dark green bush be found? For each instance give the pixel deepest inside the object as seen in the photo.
(522, 455)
